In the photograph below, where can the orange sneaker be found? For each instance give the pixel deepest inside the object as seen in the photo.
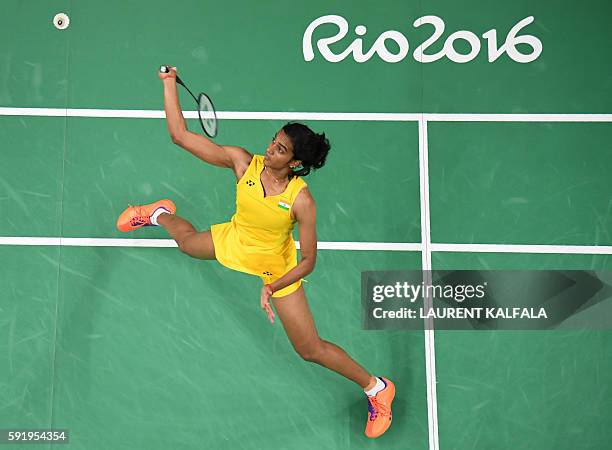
(140, 216)
(379, 410)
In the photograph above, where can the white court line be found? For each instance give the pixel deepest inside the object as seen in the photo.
(384, 246)
(288, 115)
(430, 348)
(232, 115)
(86, 242)
(154, 243)
(518, 117)
(517, 248)
(325, 245)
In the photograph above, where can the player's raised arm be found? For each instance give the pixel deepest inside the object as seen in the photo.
(196, 144)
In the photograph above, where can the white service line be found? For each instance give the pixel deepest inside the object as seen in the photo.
(231, 115)
(85, 242)
(152, 243)
(519, 248)
(432, 117)
(384, 246)
(326, 245)
(430, 347)
(293, 115)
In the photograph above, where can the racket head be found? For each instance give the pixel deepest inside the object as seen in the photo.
(207, 115)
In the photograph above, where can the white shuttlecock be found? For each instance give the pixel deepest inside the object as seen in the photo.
(61, 21)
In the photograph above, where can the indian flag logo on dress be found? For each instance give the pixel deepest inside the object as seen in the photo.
(283, 205)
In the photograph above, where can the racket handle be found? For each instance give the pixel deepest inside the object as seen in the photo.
(166, 69)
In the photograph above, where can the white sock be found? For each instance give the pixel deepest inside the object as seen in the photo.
(156, 214)
(380, 385)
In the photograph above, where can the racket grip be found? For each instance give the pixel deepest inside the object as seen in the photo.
(166, 69)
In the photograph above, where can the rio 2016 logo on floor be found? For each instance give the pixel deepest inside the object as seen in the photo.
(356, 47)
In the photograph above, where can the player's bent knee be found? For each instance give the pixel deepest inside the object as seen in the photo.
(185, 247)
(311, 353)
(181, 246)
(197, 245)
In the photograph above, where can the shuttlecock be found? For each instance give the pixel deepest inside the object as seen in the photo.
(61, 21)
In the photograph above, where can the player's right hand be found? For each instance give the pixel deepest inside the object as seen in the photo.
(168, 75)
(266, 293)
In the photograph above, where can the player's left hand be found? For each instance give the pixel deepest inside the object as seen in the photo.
(266, 293)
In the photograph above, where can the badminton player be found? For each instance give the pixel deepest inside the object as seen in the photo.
(271, 197)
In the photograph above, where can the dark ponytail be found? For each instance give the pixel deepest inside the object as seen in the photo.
(309, 147)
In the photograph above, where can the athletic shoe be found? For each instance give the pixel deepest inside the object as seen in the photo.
(140, 216)
(379, 410)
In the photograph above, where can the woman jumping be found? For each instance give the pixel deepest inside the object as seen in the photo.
(271, 197)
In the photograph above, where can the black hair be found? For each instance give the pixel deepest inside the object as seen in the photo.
(309, 147)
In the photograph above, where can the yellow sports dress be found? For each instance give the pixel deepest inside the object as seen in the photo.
(258, 238)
